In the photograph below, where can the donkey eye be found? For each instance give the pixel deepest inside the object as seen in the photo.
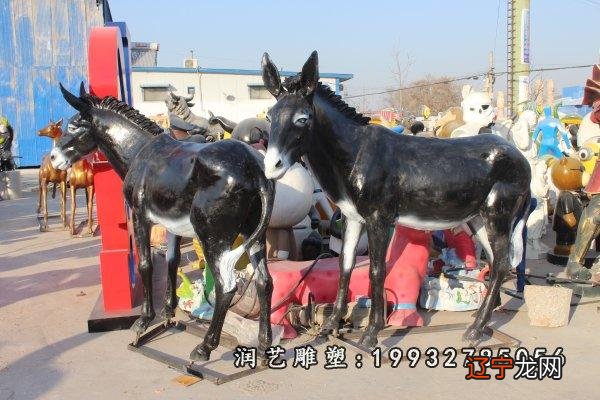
(301, 121)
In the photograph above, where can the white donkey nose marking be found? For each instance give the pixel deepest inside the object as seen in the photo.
(273, 163)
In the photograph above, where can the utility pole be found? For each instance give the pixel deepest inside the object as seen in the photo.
(490, 77)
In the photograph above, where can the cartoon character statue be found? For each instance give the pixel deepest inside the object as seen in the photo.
(6, 138)
(551, 135)
(590, 124)
(567, 174)
(589, 226)
(477, 112)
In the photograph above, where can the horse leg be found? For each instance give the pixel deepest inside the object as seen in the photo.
(45, 202)
(141, 228)
(352, 232)
(173, 259)
(90, 207)
(39, 209)
(73, 208)
(223, 293)
(502, 207)
(63, 203)
(378, 232)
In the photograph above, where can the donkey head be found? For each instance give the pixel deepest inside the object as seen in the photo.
(291, 117)
(79, 139)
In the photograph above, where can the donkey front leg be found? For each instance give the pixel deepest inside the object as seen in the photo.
(352, 232)
(141, 227)
(379, 237)
(173, 259)
(63, 203)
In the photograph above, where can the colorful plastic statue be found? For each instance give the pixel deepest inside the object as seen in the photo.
(213, 191)
(477, 112)
(589, 226)
(359, 168)
(567, 176)
(551, 135)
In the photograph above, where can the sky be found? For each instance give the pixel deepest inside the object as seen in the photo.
(364, 38)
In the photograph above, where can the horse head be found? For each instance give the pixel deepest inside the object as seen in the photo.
(53, 130)
(291, 117)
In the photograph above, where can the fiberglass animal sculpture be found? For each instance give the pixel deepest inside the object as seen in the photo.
(180, 106)
(477, 112)
(212, 191)
(358, 166)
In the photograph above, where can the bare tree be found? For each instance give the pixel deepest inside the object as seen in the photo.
(400, 70)
(431, 91)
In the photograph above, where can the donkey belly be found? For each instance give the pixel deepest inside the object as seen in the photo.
(428, 224)
(178, 226)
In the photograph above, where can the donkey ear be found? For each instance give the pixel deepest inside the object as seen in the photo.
(310, 73)
(82, 91)
(73, 100)
(270, 76)
(59, 122)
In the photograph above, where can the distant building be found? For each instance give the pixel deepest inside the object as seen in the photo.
(233, 93)
(144, 54)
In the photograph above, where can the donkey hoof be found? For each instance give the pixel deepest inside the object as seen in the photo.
(200, 353)
(168, 312)
(141, 325)
(369, 339)
(472, 336)
(331, 324)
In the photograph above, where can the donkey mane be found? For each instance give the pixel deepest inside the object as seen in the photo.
(293, 84)
(125, 110)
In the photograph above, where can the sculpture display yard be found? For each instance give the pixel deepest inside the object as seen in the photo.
(376, 188)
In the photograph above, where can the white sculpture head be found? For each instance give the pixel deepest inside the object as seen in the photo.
(477, 106)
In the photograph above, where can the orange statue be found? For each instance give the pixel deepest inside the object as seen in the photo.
(80, 177)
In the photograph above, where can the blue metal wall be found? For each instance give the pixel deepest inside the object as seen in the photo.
(42, 42)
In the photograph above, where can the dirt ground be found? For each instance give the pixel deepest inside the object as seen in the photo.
(49, 283)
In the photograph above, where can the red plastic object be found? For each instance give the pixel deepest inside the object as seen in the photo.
(407, 259)
(463, 245)
(117, 258)
(406, 264)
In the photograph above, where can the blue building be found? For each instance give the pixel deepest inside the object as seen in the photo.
(42, 42)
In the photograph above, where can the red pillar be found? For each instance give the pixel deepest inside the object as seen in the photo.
(117, 259)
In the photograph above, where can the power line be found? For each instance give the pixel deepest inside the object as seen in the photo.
(464, 78)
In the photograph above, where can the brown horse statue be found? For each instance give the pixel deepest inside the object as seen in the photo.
(80, 177)
(49, 174)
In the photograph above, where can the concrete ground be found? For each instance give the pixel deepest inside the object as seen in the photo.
(49, 283)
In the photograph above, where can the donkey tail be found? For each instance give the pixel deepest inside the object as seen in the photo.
(54, 190)
(267, 195)
(517, 242)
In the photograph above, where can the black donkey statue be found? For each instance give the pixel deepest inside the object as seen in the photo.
(379, 178)
(213, 191)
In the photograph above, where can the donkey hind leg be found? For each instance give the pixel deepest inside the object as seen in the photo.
(141, 228)
(224, 291)
(264, 288)
(499, 217)
(352, 232)
(173, 259)
(379, 238)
